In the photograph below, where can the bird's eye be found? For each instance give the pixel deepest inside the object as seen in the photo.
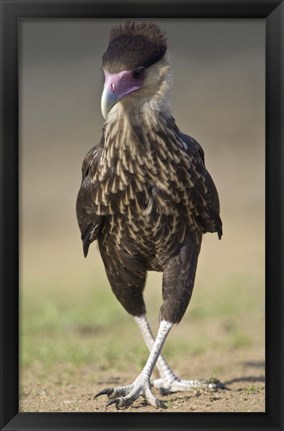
(139, 72)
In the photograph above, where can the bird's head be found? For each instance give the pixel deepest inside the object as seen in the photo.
(135, 65)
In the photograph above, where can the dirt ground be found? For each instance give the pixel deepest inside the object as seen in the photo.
(244, 381)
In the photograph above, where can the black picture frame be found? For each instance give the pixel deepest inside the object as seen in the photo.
(13, 11)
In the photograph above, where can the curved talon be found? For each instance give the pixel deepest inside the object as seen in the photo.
(124, 396)
(164, 391)
(116, 401)
(161, 404)
(107, 391)
(214, 384)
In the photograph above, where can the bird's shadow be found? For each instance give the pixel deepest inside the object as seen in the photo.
(251, 378)
(255, 364)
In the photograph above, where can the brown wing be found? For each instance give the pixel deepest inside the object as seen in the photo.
(89, 221)
(204, 193)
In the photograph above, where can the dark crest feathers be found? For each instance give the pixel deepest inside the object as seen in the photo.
(149, 30)
(134, 44)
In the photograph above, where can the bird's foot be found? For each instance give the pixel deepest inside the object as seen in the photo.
(124, 396)
(167, 386)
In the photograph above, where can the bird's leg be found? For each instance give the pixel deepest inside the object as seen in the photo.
(165, 371)
(126, 395)
(168, 381)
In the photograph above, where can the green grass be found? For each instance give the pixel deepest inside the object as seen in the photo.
(56, 330)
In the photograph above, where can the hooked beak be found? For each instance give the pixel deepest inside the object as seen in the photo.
(117, 86)
(108, 100)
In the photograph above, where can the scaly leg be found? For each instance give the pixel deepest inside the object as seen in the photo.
(125, 395)
(169, 382)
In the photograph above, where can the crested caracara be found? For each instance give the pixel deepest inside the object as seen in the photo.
(146, 196)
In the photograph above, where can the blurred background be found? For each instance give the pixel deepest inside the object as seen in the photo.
(71, 323)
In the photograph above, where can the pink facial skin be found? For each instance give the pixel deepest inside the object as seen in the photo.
(121, 83)
(117, 86)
